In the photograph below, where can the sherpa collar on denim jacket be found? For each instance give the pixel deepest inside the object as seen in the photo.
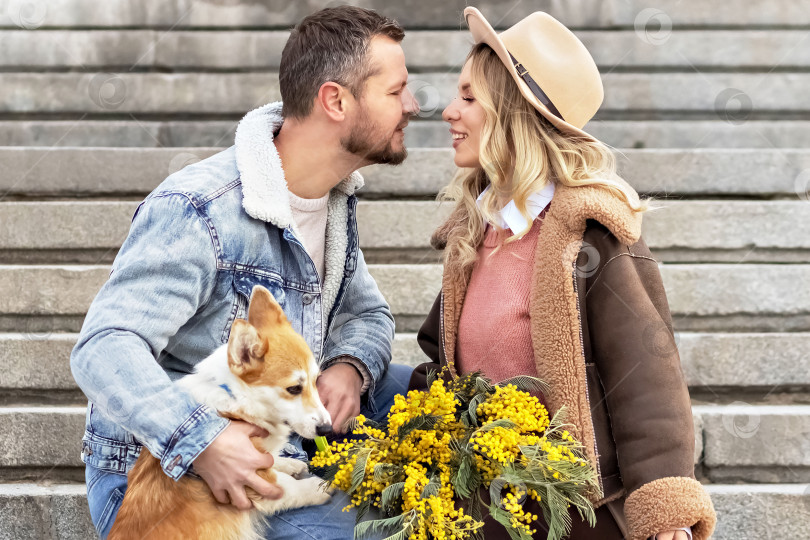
(263, 184)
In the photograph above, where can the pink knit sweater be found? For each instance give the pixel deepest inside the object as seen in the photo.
(494, 333)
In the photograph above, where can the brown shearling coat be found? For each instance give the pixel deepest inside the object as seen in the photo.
(603, 340)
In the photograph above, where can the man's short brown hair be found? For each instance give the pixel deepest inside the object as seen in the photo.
(330, 45)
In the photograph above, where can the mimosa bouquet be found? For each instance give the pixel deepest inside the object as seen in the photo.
(425, 468)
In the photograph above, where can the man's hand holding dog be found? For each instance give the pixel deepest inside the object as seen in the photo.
(230, 462)
(339, 388)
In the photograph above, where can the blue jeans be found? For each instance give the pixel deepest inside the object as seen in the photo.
(105, 490)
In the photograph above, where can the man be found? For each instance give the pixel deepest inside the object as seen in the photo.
(276, 209)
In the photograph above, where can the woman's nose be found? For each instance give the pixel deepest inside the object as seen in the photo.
(450, 113)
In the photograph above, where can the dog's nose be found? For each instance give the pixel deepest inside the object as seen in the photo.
(323, 429)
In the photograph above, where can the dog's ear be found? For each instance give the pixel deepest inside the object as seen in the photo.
(263, 311)
(246, 350)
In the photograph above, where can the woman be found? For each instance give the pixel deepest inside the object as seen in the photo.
(546, 274)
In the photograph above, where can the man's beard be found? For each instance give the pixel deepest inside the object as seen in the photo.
(364, 141)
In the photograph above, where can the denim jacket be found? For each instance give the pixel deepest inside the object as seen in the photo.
(196, 247)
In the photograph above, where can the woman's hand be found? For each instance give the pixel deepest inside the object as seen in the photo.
(671, 535)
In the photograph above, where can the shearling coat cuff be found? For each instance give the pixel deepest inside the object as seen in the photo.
(668, 503)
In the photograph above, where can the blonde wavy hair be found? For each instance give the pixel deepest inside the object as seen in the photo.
(520, 152)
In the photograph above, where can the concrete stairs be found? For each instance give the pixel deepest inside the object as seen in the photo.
(706, 105)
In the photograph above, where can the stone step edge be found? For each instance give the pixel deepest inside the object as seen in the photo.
(736, 409)
(419, 47)
(709, 382)
(75, 488)
(429, 169)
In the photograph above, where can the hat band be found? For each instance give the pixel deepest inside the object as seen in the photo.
(535, 88)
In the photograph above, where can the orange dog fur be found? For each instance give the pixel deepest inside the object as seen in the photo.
(271, 377)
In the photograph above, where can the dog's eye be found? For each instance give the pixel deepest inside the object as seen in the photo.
(295, 390)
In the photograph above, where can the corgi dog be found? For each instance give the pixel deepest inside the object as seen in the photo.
(266, 375)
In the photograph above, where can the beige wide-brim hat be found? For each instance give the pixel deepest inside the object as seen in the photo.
(550, 65)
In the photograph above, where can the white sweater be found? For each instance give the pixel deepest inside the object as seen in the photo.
(310, 218)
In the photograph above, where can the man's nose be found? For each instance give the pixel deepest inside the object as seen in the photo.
(409, 103)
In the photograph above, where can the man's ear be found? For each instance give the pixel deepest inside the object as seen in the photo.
(246, 350)
(332, 99)
(264, 313)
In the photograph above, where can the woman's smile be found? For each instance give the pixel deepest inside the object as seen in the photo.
(458, 137)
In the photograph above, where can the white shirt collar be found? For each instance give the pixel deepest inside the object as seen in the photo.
(510, 216)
